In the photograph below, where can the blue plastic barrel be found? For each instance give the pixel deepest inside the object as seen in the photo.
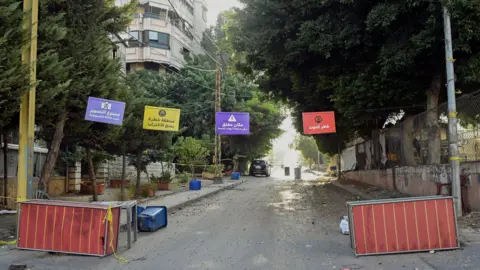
(236, 176)
(152, 218)
(195, 185)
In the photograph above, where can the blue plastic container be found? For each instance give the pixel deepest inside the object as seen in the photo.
(236, 176)
(195, 185)
(152, 218)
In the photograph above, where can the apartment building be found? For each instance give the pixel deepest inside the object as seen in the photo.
(162, 35)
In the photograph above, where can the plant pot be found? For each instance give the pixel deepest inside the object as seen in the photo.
(87, 189)
(163, 186)
(100, 189)
(150, 192)
(118, 183)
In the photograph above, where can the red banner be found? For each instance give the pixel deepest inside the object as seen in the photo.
(319, 123)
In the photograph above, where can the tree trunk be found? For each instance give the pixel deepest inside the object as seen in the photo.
(432, 125)
(53, 151)
(91, 174)
(139, 170)
(5, 167)
(408, 153)
(124, 169)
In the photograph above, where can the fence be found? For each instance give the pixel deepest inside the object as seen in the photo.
(423, 139)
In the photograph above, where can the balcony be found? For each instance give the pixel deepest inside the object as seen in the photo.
(150, 54)
(149, 21)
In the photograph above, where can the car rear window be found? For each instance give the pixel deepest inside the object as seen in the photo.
(259, 162)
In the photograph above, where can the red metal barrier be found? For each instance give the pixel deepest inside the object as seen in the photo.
(402, 225)
(68, 227)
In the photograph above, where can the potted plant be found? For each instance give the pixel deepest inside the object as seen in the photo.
(162, 182)
(148, 189)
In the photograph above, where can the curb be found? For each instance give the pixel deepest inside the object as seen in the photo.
(185, 203)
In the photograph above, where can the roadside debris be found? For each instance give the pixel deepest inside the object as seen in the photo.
(344, 225)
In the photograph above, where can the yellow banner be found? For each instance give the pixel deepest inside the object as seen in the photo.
(158, 118)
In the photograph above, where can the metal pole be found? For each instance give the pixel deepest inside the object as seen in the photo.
(452, 114)
(27, 105)
(218, 108)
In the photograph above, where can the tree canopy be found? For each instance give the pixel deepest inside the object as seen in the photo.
(13, 74)
(74, 62)
(363, 59)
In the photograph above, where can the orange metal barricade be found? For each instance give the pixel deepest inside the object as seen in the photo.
(68, 227)
(402, 225)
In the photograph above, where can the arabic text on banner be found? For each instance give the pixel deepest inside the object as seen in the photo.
(158, 118)
(318, 123)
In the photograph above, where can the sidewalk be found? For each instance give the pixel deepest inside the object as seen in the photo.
(43, 260)
(468, 226)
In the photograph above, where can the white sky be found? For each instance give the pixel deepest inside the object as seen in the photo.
(281, 145)
(217, 6)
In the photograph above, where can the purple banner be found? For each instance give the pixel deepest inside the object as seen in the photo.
(232, 123)
(105, 111)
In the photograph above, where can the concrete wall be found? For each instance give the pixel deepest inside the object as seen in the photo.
(420, 180)
(115, 170)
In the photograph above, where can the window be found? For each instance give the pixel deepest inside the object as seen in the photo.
(185, 52)
(134, 35)
(204, 14)
(159, 40)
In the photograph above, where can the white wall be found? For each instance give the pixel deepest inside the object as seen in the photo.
(115, 170)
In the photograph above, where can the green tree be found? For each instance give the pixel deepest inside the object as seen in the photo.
(308, 148)
(13, 74)
(132, 139)
(265, 121)
(356, 57)
(75, 63)
(191, 151)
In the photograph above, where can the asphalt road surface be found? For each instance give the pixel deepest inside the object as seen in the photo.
(266, 223)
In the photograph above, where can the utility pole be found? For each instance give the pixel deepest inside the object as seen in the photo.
(27, 105)
(218, 108)
(452, 114)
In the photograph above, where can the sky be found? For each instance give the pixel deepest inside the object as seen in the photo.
(281, 146)
(217, 6)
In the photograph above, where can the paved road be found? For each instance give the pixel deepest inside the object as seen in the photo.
(262, 224)
(266, 223)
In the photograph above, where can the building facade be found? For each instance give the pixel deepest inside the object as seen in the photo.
(162, 35)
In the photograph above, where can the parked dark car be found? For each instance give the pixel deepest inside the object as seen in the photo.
(260, 167)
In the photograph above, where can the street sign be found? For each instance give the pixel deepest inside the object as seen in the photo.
(232, 123)
(159, 118)
(318, 123)
(105, 111)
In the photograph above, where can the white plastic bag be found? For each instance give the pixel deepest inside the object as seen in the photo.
(344, 225)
